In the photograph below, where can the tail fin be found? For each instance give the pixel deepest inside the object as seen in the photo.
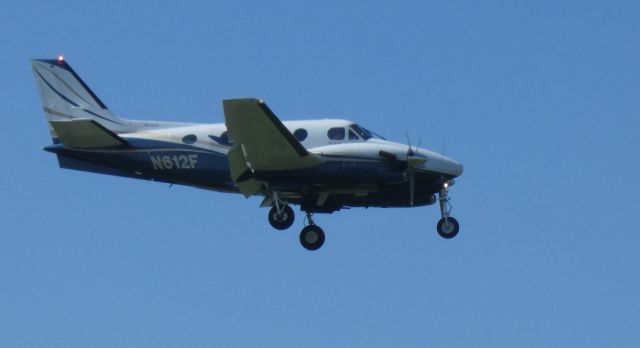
(65, 96)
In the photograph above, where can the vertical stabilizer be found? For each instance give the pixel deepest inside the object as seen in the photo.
(65, 96)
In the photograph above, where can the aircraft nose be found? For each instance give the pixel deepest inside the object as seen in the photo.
(444, 165)
(455, 168)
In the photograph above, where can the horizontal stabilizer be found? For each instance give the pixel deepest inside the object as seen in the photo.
(85, 134)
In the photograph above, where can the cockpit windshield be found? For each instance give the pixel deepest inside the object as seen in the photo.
(364, 133)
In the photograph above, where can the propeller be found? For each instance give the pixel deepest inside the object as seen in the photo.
(413, 162)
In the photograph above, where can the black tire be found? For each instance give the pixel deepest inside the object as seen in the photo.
(449, 228)
(312, 237)
(281, 221)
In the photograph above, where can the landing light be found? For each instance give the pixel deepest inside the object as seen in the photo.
(60, 59)
(446, 185)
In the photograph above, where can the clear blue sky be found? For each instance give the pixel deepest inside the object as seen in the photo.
(540, 100)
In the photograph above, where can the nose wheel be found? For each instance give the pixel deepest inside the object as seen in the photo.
(448, 226)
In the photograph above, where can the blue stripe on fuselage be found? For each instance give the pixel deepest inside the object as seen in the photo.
(200, 167)
(157, 160)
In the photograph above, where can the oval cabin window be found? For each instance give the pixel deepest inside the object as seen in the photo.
(336, 133)
(300, 134)
(189, 139)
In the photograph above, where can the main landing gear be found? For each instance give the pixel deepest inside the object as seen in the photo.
(448, 227)
(312, 236)
(281, 217)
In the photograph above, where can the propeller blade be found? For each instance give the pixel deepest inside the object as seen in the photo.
(412, 184)
(410, 150)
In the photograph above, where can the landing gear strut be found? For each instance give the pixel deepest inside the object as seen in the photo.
(448, 227)
(281, 215)
(312, 236)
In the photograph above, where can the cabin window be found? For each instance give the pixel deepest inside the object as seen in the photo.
(189, 139)
(300, 134)
(352, 135)
(336, 133)
(223, 139)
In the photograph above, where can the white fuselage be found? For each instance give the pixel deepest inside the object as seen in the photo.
(323, 137)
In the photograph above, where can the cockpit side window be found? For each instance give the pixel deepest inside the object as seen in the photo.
(352, 135)
(336, 133)
(364, 133)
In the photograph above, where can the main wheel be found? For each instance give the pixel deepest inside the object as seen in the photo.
(281, 221)
(448, 228)
(312, 237)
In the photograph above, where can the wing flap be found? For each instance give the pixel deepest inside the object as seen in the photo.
(267, 144)
(85, 134)
(241, 174)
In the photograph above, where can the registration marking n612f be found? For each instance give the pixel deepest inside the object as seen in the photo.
(174, 162)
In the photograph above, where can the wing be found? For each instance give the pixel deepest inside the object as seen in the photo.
(261, 143)
(266, 143)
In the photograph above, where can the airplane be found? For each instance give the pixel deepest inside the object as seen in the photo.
(320, 165)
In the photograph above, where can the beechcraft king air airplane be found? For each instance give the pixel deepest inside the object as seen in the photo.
(321, 165)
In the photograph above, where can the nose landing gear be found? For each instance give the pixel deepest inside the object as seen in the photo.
(448, 226)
